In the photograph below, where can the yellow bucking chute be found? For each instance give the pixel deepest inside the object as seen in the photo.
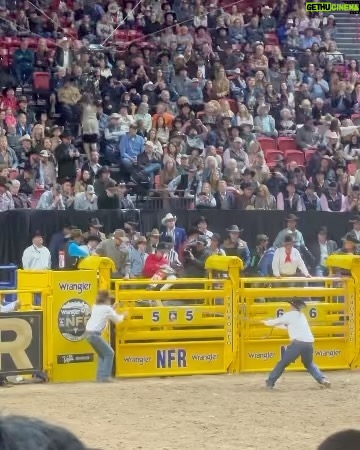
(104, 267)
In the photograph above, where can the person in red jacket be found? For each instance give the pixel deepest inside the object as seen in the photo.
(157, 267)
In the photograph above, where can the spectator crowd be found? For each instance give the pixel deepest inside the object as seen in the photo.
(117, 105)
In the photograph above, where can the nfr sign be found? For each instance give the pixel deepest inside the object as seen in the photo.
(166, 359)
(21, 343)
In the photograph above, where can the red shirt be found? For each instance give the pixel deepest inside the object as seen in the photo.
(152, 265)
(9, 102)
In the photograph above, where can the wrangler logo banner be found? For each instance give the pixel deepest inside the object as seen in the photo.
(21, 343)
(168, 359)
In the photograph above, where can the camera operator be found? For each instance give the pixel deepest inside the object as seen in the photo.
(195, 256)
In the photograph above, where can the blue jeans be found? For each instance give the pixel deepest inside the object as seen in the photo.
(321, 271)
(303, 349)
(128, 164)
(151, 170)
(105, 354)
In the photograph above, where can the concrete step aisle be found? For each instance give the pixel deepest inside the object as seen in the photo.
(348, 34)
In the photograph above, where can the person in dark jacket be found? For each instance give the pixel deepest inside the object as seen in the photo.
(110, 199)
(321, 249)
(195, 257)
(66, 157)
(73, 251)
(256, 254)
(57, 244)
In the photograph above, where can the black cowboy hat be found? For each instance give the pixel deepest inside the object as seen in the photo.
(234, 229)
(171, 13)
(201, 27)
(297, 303)
(218, 29)
(163, 53)
(291, 217)
(66, 134)
(95, 222)
(323, 230)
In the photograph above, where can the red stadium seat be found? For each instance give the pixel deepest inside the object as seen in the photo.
(295, 155)
(41, 81)
(37, 194)
(271, 39)
(286, 143)
(271, 155)
(267, 143)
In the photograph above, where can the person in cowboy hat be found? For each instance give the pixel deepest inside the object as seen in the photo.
(117, 249)
(169, 228)
(302, 344)
(321, 249)
(94, 229)
(267, 22)
(153, 239)
(36, 256)
(66, 156)
(291, 223)
(287, 260)
(73, 251)
(235, 246)
(138, 257)
(350, 245)
(355, 222)
(202, 224)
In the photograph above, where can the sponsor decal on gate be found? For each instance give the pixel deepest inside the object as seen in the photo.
(21, 343)
(75, 358)
(263, 356)
(79, 288)
(72, 319)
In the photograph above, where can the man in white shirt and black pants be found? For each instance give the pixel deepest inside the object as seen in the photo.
(302, 344)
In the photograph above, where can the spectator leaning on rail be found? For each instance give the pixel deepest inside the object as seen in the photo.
(287, 260)
(36, 256)
(117, 249)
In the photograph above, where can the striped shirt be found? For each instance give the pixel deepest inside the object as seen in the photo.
(6, 201)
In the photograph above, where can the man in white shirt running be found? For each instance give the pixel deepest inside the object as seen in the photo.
(302, 344)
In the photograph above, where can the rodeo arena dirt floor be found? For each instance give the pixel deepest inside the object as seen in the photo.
(214, 412)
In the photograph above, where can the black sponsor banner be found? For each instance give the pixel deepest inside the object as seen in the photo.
(75, 358)
(21, 343)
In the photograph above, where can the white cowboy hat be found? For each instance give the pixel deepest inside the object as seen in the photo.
(168, 217)
(26, 137)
